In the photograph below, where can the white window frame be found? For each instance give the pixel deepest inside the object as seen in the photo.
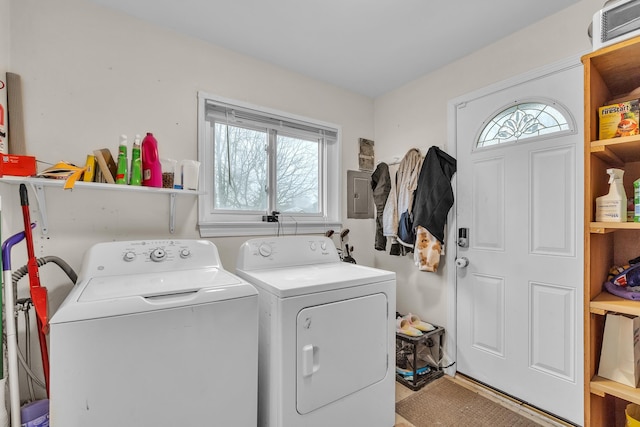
(212, 223)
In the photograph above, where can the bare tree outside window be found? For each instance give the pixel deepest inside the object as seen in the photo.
(241, 171)
(240, 168)
(256, 160)
(298, 167)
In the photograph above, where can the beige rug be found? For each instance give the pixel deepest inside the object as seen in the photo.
(445, 403)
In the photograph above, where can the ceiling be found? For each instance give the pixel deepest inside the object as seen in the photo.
(367, 46)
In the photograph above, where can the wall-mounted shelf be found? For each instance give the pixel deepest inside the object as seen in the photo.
(38, 185)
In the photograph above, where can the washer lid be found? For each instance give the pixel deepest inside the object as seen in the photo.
(153, 285)
(128, 294)
(308, 279)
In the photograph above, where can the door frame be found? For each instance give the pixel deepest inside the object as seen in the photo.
(452, 146)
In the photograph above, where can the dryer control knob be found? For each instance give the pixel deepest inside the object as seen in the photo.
(265, 250)
(158, 255)
(313, 246)
(185, 253)
(129, 256)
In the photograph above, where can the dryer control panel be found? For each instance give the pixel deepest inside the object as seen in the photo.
(149, 256)
(286, 251)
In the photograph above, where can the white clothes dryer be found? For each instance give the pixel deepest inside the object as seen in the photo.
(326, 335)
(155, 333)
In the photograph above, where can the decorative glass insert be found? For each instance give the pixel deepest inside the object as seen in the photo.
(524, 120)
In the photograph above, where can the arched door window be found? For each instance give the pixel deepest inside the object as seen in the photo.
(523, 120)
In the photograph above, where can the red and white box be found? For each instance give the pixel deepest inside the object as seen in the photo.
(14, 165)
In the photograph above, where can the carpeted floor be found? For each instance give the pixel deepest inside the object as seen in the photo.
(445, 403)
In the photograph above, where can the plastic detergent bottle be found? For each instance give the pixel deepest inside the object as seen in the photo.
(35, 414)
(151, 168)
(613, 206)
(121, 173)
(136, 163)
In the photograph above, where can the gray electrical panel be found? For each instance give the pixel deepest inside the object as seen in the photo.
(359, 195)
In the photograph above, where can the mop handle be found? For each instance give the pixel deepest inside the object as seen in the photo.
(24, 201)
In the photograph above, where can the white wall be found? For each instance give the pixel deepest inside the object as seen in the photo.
(416, 116)
(4, 45)
(4, 35)
(90, 74)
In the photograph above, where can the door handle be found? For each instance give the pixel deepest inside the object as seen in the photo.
(462, 262)
(310, 362)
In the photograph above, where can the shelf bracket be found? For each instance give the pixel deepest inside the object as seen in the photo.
(172, 212)
(38, 189)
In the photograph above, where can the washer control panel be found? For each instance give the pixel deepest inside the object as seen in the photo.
(286, 251)
(149, 256)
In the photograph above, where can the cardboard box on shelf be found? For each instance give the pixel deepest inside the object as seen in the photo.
(617, 120)
(14, 165)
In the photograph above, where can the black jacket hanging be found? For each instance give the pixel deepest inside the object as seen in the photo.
(434, 195)
(381, 186)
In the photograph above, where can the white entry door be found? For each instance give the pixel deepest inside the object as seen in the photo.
(519, 300)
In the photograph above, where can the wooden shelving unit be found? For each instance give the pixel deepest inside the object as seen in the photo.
(609, 73)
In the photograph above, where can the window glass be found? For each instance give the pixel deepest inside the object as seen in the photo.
(256, 161)
(524, 120)
(240, 176)
(298, 173)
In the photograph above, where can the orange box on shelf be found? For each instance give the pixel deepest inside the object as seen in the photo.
(14, 165)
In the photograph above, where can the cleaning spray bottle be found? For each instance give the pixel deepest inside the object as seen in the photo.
(136, 163)
(613, 206)
(121, 173)
(151, 168)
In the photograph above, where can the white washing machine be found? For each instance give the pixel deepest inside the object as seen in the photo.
(327, 335)
(155, 333)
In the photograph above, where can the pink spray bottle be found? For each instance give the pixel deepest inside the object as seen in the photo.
(151, 168)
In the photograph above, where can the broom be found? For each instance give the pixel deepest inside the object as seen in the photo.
(38, 293)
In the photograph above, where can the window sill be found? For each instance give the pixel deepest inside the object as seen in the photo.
(285, 226)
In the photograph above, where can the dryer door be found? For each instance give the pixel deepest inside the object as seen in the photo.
(342, 347)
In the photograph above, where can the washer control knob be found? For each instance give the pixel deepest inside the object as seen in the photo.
(323, 246)
(265, 250)
(313, 246)
(158, 255)
(185, 253)
(129, 256)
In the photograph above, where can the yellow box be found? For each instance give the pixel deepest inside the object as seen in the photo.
(620, 119)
